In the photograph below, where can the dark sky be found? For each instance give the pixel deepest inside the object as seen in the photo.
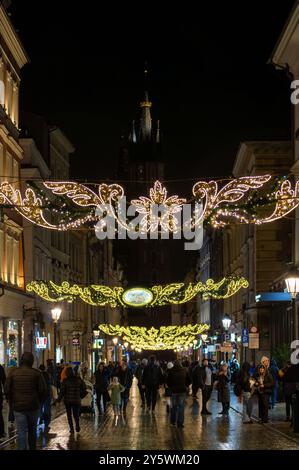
(210, 83)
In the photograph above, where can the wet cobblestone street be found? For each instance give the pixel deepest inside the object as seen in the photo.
(143, 431)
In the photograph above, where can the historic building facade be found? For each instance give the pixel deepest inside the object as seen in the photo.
(12, 281)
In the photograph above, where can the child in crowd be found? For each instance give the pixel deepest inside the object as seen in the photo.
(116, 389)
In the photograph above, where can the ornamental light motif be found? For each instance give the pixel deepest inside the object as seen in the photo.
(166, 337)
(155, 296)
(240, 199)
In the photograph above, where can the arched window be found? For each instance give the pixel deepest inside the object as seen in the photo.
(2, 92)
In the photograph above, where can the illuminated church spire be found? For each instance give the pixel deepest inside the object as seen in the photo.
(145, 118)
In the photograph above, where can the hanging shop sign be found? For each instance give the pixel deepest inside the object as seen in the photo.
(245, 337)
(76, 340)
(254, 340)
(41, 342)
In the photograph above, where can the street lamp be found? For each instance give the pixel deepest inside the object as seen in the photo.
(226, 321)
(292, 283)
(55, 312)
(115, 341)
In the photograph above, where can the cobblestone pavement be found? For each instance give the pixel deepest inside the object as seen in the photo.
(144, 431)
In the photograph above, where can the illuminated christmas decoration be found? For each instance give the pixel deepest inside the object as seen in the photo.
(155, 296)
(248, 199)
(166, 337)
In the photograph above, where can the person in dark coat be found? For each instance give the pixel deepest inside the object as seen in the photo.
(195, 373)
(2, 383)
(223, 389)
(244, 386)
(125, 378)
(101, 378)
(178, 380)
(206, 385)
(289, 379)
(273, 369)
(138, 374)
(72, 390)
(26, 389)
(45, 410)
(151, 380)
(264, 385)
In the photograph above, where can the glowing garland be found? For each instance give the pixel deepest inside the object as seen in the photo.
(219, 205)
(155, 296)
(166, 337)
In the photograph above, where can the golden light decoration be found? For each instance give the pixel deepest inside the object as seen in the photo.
(166, 337)
(219, 205)
(155, 296)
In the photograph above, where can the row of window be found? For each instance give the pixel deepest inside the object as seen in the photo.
(10, 258)
(9, 167)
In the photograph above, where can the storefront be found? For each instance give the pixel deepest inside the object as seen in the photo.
(10, 341)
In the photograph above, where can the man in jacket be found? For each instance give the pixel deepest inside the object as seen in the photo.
(102, 377)
(26, 390)
(125, 378)
(138, 374)
(45, 411)
(151, 380)
(206, 385)
(2, 382)
(178, 380)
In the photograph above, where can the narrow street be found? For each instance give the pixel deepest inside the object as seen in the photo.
(143, 431)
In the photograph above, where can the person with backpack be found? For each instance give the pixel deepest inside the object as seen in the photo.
(242, 390)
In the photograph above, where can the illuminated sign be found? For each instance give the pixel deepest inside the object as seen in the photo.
(137, 297)
(41, 342)
(76, 340)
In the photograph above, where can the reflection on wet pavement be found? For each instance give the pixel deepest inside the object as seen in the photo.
(138, 429)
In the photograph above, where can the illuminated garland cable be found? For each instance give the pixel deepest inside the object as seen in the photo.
(166, 337)
(220, 206)
(155, 296)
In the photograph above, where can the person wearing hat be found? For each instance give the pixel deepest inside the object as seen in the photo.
(138, 374)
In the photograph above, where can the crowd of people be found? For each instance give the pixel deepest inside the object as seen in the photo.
(31, 392)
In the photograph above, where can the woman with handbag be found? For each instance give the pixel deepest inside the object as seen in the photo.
(72, 390)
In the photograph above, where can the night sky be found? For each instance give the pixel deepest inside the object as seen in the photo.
(210, 83)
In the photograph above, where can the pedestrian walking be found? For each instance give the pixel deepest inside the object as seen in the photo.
(72, 390)
(195, 377)
(101, 378)
(206, 385)
(274, 370)
(45, 409)
(168, 392)
(289, 380)
(151, 380)
(2, 383)
(223, 389)
(125, 378)
(138, 374)
(243, 390)
(264, 385)
(116, 390)
(178, 380)
(26, 390)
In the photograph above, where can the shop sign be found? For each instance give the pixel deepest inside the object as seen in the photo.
(76, 340)
(245, 337)
(254, 340)
(41, 342)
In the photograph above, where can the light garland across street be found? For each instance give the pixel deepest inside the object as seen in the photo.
(166, 337)
(155, 296)
(248, 199)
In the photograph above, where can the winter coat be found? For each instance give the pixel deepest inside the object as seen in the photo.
(101, 380)
(268, 384)
(139, 373)
(223, 389)
(203, 375)
(289, 380)
(178, 379)
(25, 389)
(116, 390)
(152, 376)
(72, 390)
(125, 378)
(243, 381)
(47, 380)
